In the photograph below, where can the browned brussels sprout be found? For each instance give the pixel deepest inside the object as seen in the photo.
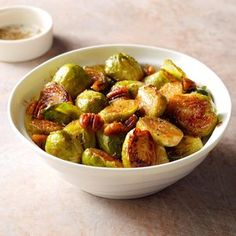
(162, 156)
(96, 157)
(138, 149)
(51, 95)
(61, 144)
(62, 113)
(174, 70)
(170, 89)
(90, 101)
(36, 126)
(73, 78)
(131, 85)
(83, 136)
(163, 132)
(194, 113)
(159, 78)
(111, 144)
(151, 101)
(119, 110)
(187, 146)
(100, 82)
(123, 67)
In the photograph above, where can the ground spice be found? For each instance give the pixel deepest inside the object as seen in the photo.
(19, 31)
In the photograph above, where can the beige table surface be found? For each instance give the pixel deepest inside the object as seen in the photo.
(34, 200)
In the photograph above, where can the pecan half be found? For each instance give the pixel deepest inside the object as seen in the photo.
(149, 70)
(131, 122)
(91, 121)
(51, 94)
(114, 128)
(97, 76)
(39, 139)
(188, 84)
(122, 92)
(118, 127)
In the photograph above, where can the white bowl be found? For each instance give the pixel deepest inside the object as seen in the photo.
(126, 182)
(28, 48)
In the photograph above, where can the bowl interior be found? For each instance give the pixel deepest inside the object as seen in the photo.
(30, 86)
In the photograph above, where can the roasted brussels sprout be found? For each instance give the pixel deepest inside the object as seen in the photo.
(151, 101)
(194, 113)
(73, 78)
(187, 146)
(163, 132)
(36, 126)
(138, 149)
(96, 157)
(83, 136)
(111, 144)
(132, 86)
(51, 95)
(119, 110)
(170, 89)
(61, 144)
(62, 113)
(123, 67)
(174, 70)
(90, 101)
(161, 155)
(100, 82)
(159, 78)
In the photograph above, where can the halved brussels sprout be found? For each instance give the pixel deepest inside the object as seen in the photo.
(62, 113)
(96, 157)
(159, 78)
(187, 146)
(111, 144)
(161, 154)
(100, 82)
(90, 101)
(84, 136)
(123, 67)
(151, 101)
(119, 110)
(174, 70)
(36, 126)
(139, 149)
(194, 113)
(73, 78)
(51, 94)
(163, 132)
(170, 89)
(132, 86)
(61, 144)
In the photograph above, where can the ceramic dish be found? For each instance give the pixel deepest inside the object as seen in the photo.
(28, 19)
(125, 182)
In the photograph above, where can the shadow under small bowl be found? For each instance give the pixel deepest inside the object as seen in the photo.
(16, 50)
(120, 183)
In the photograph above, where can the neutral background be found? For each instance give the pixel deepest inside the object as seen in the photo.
(34, 200)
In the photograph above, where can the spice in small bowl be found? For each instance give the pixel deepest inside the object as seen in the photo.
(18, 31)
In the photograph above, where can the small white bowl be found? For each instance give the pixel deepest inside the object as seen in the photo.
(120, 183)
(28, 48)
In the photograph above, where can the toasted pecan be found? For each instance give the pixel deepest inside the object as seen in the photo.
(91, 121)
(122, 92)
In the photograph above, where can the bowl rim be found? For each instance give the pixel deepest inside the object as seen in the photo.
(204, 151)
(34, 10)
